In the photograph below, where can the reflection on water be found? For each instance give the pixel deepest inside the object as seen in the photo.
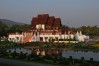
(37, 51)
(18, 50)
(66, 54)
(79, 54)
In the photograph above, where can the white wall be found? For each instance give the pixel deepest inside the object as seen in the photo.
(40, 26)
(13, 37)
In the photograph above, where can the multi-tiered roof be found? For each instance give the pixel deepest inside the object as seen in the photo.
(50, 22)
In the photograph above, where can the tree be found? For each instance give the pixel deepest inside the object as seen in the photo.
(19, 28)
(88, 30)
(3, 29)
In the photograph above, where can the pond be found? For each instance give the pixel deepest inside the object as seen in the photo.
(80, 54)
(19, 50)
(75, 54)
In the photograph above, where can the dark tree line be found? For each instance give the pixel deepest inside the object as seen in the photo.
(4, 29)
(88, 30)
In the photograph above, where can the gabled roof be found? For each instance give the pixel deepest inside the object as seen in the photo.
(34, 21)
(50, 21)
(45, 19)
(57, 22)
(43, 16)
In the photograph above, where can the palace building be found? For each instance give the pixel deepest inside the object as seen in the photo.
(45, 22)
(47, 28)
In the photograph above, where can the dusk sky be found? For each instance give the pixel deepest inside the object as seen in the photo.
(72, 12)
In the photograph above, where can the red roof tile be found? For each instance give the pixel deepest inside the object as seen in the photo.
(57, 22)
(43, 16)
(34, 21)
(50, 21)
(45, 19)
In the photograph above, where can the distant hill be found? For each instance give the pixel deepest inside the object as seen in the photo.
(10, 23)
